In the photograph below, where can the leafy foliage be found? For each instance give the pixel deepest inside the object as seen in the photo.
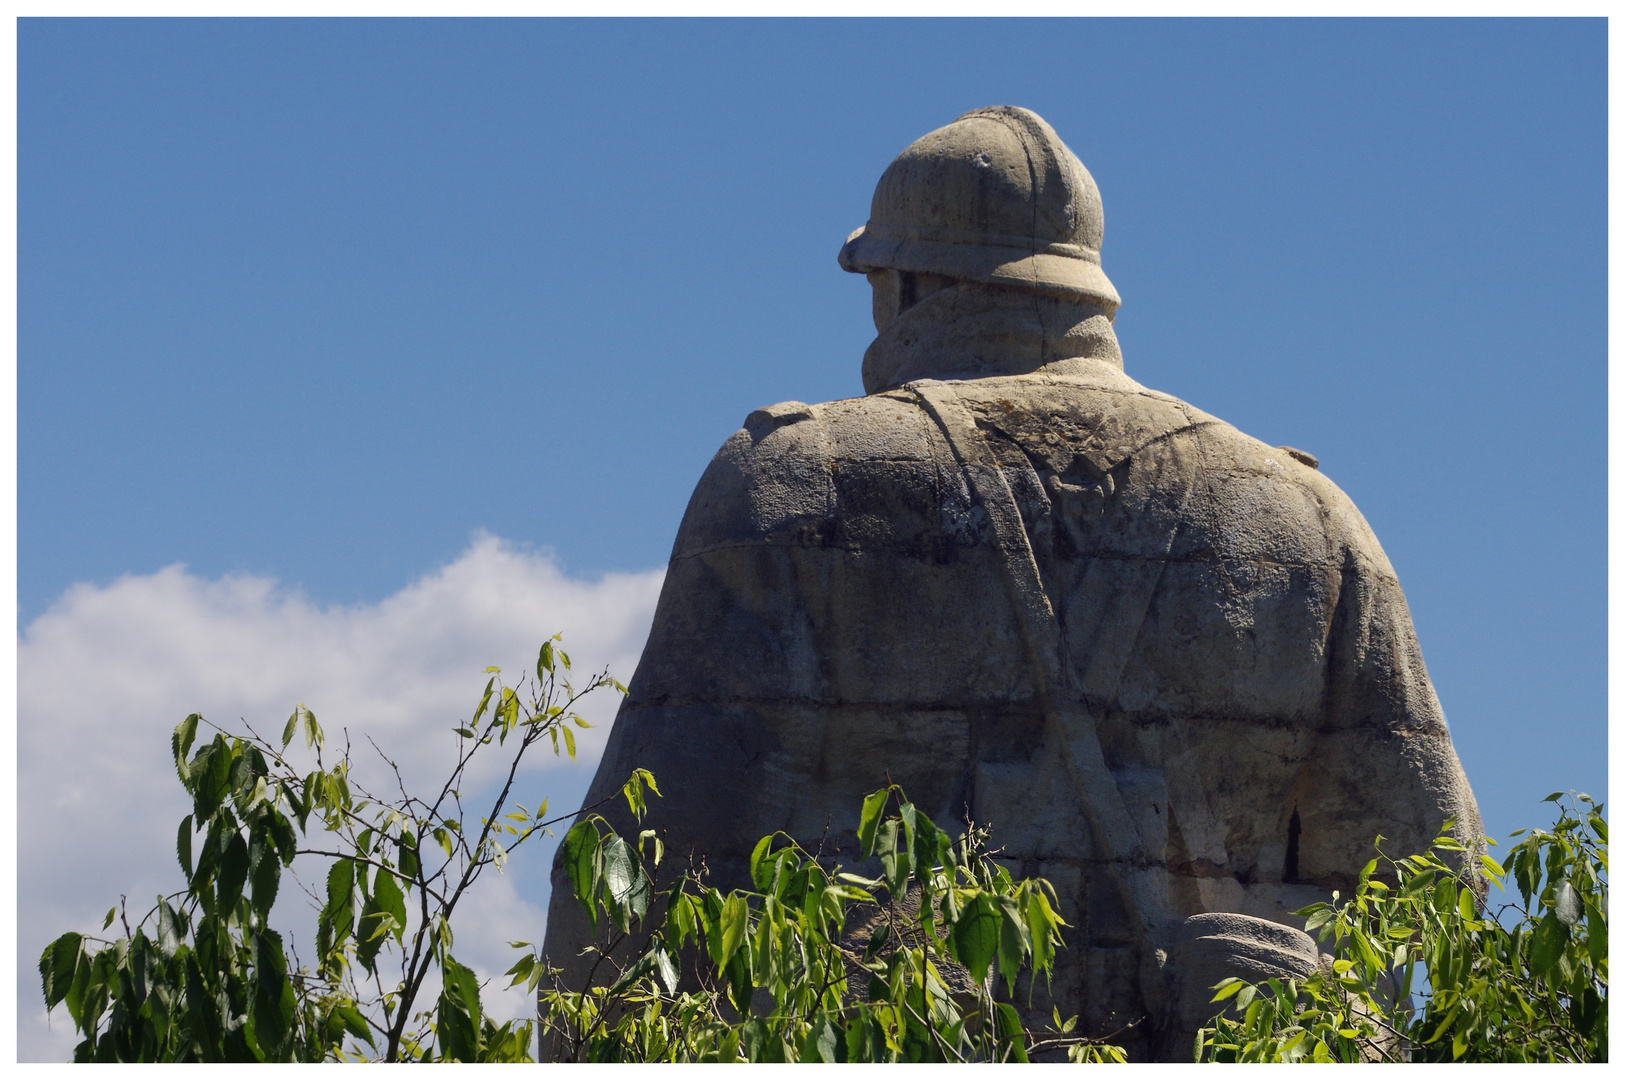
(1423, 972)
(203, 977)
(767, 975)
(814, 963)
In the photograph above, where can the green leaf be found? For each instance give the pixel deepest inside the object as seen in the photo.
(761, 871)
(202, 1006)
(1566, 904)
(757, 1042)
(1547, 945)
(181, 743)
(976, 935)
(408, 856)
(1585, 1009)
(620, 871)
(265, 875)
(869, 819)
(56, 967)
(877, 940)
(821, 1041)
(1043, 929)
(210, 772)
(292, 727)
(371, 930)
(1014, 943)
(355, 1024)
(732, 924)
(544, 660)
(464, 985)
(928, 844)
(485, 700)
(171, 927)
(183, 846)
(909, 816)
(666, 968)
(340, 909)
(628, 887)
(895, 861)
(792, 889)
(1465, 905)
(313, 730)
(273, 1005)
(457, 1016)
(580, 863)
(522, 967)
(1368, 953)
(386, 891)
(1007, 1024)
(681, 921)
(1596, 934)
(645, 965)
(233, 873)
(282, 835)
(740, 986)
(632, 790)
(1444, 896)
(1527, 873)
(655, 842)
(708, 909)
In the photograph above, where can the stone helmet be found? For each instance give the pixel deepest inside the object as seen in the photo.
(994, 197)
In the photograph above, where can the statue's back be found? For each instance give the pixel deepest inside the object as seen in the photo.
(1167, 663)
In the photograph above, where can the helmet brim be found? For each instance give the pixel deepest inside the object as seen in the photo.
(1063, 270)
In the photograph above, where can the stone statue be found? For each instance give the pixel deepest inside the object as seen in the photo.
(1169, 664)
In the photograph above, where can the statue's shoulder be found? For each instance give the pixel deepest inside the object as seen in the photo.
(772, 480)
(1253, 487)
(836, 415)
(770, 418)
(887, 426)
(1243, 496)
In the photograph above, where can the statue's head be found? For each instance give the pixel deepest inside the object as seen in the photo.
(994, 198)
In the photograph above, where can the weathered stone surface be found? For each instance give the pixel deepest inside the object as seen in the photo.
(1205, 950)
(1088, 595)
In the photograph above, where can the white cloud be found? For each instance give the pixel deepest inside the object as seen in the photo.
(106, 673)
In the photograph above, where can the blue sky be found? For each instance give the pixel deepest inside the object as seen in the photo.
(318, 300)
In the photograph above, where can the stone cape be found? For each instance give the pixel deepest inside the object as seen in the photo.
(836, 615)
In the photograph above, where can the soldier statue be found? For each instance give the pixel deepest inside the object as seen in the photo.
(1167, 663)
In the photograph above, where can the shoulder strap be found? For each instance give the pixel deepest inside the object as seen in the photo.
(1112, 826)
